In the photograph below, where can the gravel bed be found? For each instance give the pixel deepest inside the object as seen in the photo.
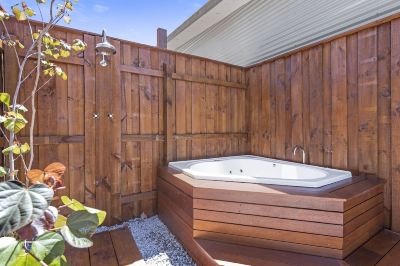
(156, 243)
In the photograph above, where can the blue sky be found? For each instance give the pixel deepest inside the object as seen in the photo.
(134, 20)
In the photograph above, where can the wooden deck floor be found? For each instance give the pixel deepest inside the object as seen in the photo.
(118, 248)
(381, 250)
(110, 249)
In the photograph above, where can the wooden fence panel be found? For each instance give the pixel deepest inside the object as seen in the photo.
(349, 111)
(109, 124)
(338, 99)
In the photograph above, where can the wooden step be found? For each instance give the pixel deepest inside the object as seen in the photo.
(382, 250)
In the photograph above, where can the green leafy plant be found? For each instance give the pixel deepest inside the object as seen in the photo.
(32, 232)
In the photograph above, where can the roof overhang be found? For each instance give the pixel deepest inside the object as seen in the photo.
(209, 14)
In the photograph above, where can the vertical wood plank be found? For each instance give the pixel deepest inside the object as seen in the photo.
(254, 102)
(198, 109)
(316, 155)
(367, 99)
(280, 108)
(76, 127)
(296, 103)
(168, 115)
(89, 73)
(103, 96)
(395, 121)
(273, 108)
(115, 147)
(211, 109)
(265, 114)
(327, 112)
(384, 134)
(222, 109)
(288, 112)
(352, 102)
(180, 98)
(188, 104)
(339, 103)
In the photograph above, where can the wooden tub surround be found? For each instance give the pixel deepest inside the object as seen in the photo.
(331, 221)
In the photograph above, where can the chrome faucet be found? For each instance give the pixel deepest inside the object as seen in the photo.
(298, 147)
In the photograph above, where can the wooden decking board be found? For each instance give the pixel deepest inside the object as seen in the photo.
(383, 250)
(304, 202)
(270, 211)
(392, 257)
(362, 219)
(374, 250)
(103, 252)
(362, 207)
(109, 248)
(271, 234)
(361, 192)
(77, 256)
(259, 256)
(270, 222)
(125, 247)
(258, 242)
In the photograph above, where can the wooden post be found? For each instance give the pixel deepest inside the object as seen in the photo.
(162, 38)
(167, 100)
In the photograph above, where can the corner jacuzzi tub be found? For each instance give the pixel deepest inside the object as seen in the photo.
(260, 170)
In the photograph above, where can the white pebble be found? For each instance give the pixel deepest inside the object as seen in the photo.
(156, 243)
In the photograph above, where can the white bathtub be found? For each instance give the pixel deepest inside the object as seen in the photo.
(254, 169)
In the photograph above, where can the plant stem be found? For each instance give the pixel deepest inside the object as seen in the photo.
(36, 258)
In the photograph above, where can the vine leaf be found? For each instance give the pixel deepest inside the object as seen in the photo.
(3, 171)
(75, 205)
(5, 98)
(60, 261)
(9, 250)
(15, 122)
(19, 205)
(61, 221)
(48, 247)
(79, 227)
(19, 15)
(25, 259)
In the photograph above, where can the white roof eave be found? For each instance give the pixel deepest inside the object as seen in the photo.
(211, 13)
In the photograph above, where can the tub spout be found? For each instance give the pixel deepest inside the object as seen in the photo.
(298, 147)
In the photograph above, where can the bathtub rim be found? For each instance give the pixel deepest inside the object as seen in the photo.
(305, 183)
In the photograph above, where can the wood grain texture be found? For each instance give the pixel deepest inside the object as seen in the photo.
(103, 253)
(331, 221)
(344, 108)
(110, 125)
(116, 247)
(395, 122)
(338, 99)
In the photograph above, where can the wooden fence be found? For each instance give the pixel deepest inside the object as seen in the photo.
(152, 106)
(340, 100)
